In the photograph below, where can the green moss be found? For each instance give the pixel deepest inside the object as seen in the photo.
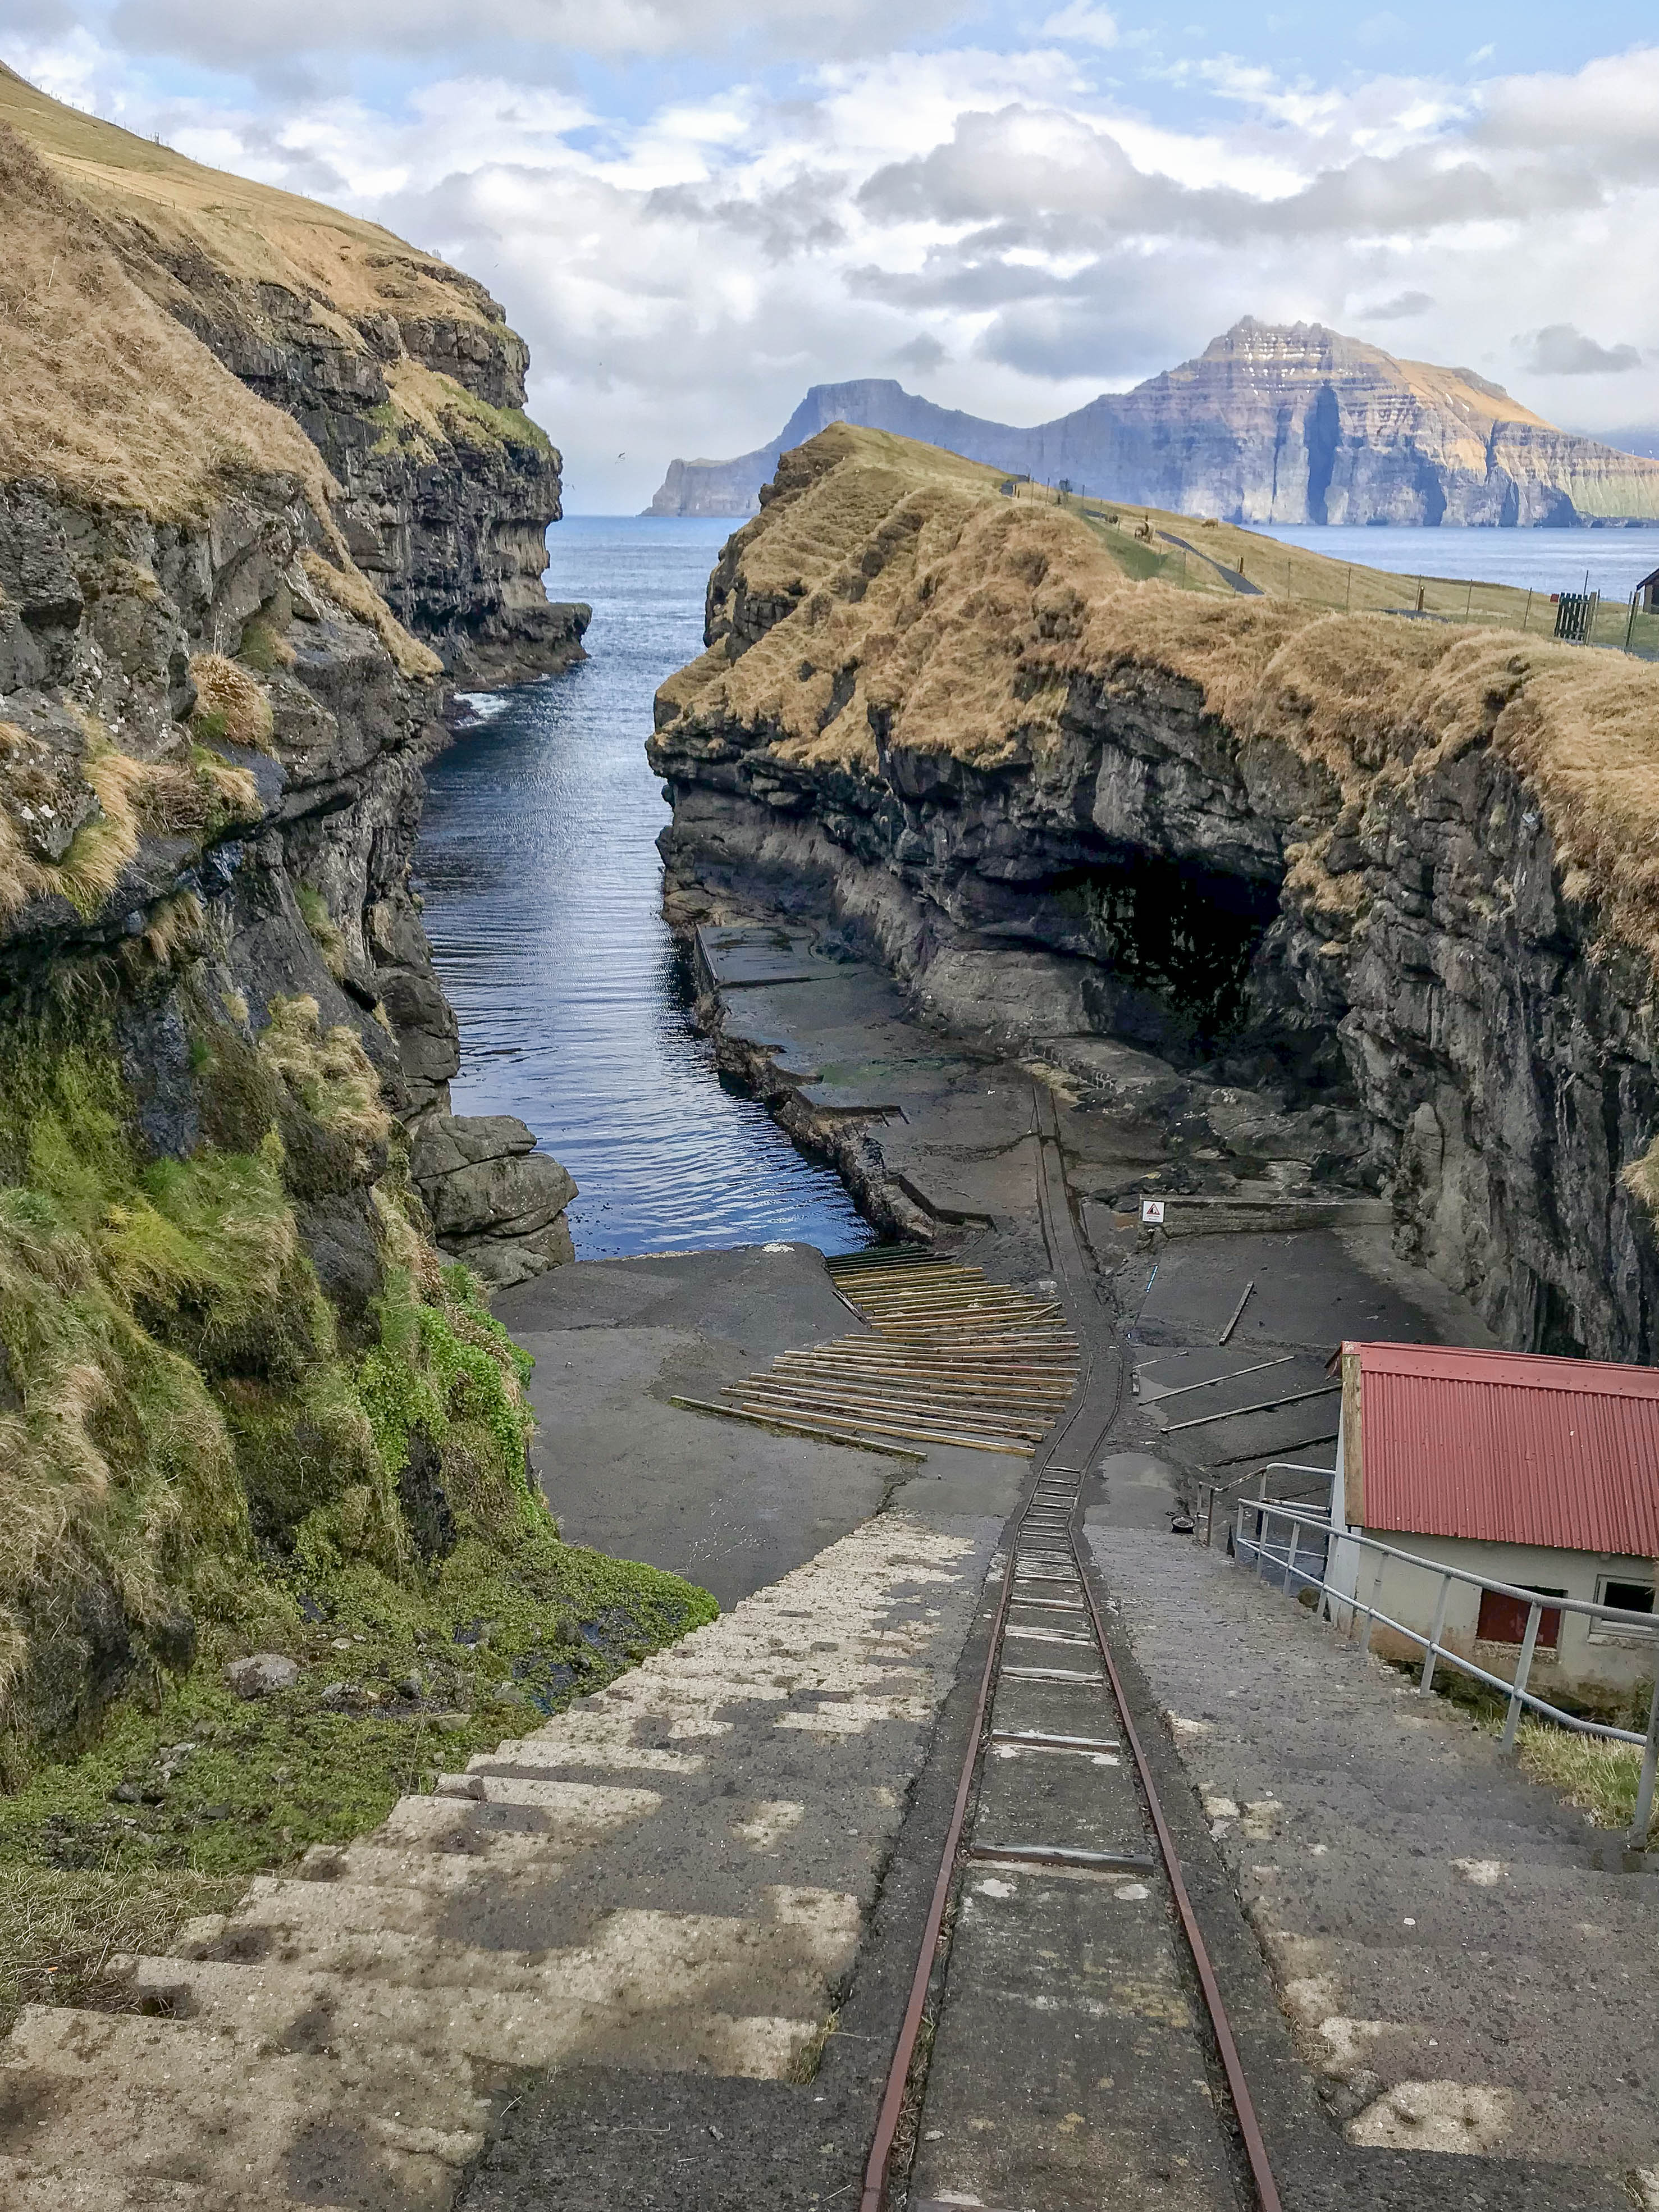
(193, 1465)
(260, 649)
(440, 1365)
(475, 421)
(313, 912)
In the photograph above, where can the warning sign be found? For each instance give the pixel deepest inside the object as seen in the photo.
(1151, 1212)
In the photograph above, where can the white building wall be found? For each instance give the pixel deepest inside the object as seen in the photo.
(1588, 1658)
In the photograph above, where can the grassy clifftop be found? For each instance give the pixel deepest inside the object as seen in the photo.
(890, 595)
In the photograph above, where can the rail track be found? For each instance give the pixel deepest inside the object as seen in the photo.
(1051, 1707)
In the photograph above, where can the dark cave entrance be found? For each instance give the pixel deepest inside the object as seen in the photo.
(1184, 935)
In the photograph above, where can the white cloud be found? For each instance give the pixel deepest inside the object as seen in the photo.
(993, 226)
(1560, 350)
(221, 36)
(1084, 24)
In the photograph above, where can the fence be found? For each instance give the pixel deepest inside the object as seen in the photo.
(1296, 1486)
(1298, 1521)
(1207, 556)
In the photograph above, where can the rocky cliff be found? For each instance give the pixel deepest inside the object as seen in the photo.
(1291, 424)
(226, 1341)
(401, 371)
(1391, 877)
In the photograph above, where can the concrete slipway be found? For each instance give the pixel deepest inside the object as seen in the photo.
(656, 1954)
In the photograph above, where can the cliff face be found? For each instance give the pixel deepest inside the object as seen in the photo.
(1269, 424)
(1394, 874)
(400, 370)
(226, 1340)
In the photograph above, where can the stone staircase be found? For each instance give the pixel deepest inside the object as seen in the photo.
(671, 1875)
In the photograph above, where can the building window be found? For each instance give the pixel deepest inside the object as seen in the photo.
(1630, 1597)
(1503, 1619)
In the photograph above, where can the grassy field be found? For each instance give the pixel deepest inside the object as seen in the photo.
(1222, 560)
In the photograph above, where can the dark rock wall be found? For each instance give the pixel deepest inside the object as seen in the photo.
(1420, 967)
(446, 516)
(305, 893)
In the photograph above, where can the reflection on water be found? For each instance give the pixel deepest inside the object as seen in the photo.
(542, 888)
(1615, 561)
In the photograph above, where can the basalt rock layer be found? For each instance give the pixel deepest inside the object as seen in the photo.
(1398, 872)
(1270, 423)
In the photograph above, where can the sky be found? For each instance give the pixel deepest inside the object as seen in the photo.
(693, 209)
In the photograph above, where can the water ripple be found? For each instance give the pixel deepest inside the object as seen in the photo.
(538, 858)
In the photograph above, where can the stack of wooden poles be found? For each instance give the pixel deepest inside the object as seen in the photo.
(954, 1359)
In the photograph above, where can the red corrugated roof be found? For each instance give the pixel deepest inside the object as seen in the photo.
(1511, 1447)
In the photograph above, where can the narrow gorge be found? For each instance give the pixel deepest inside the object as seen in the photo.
(1368, 902)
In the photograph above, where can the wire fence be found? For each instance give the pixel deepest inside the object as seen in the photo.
(1203, 554)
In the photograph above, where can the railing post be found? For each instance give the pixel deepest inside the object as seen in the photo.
(1435, 1634)
(1377, 1593)
(1522, 1670)
(1638, 1827)
(1261, 1541)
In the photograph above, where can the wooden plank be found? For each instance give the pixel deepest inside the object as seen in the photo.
(918, 1433)
(1004, 1416)
(818, 1431)
(837, 1375)
(851, 1410)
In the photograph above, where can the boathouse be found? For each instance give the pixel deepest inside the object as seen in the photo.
(1536, 1471)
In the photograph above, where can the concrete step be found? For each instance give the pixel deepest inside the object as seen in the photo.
(26, 2187)
(558, 2017)
(589, 1738)
(158, 2101)
(799, 1944)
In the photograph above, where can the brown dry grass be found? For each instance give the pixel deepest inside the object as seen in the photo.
(229, 702)
(102, 390)
(352, 592)
(967, 620)
(251, 232)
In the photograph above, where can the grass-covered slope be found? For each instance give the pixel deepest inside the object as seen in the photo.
(202, 1456)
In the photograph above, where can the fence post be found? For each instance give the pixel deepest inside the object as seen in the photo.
(1435, 1634)
(1522, 1670)
(1527, 618)
(1377, 1593)
(1638, 1827)
(1630, 621)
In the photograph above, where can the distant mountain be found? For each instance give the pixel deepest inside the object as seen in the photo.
(1643, 439)
(1270, 423)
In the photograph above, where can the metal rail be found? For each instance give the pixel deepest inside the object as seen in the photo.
(1045, 1550)
(1433, 1648)
(1209, 1493)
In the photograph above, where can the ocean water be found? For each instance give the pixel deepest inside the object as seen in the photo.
(543, 886)
(1615, 561)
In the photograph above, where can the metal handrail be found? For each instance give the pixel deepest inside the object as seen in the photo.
(1434, 1649)
(1210, 1491)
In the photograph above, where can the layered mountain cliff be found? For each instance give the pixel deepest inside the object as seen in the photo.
(1394, 874)
(229, 1347)
(1293, 424)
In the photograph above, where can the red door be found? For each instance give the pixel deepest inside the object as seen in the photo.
(1503, 1619)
